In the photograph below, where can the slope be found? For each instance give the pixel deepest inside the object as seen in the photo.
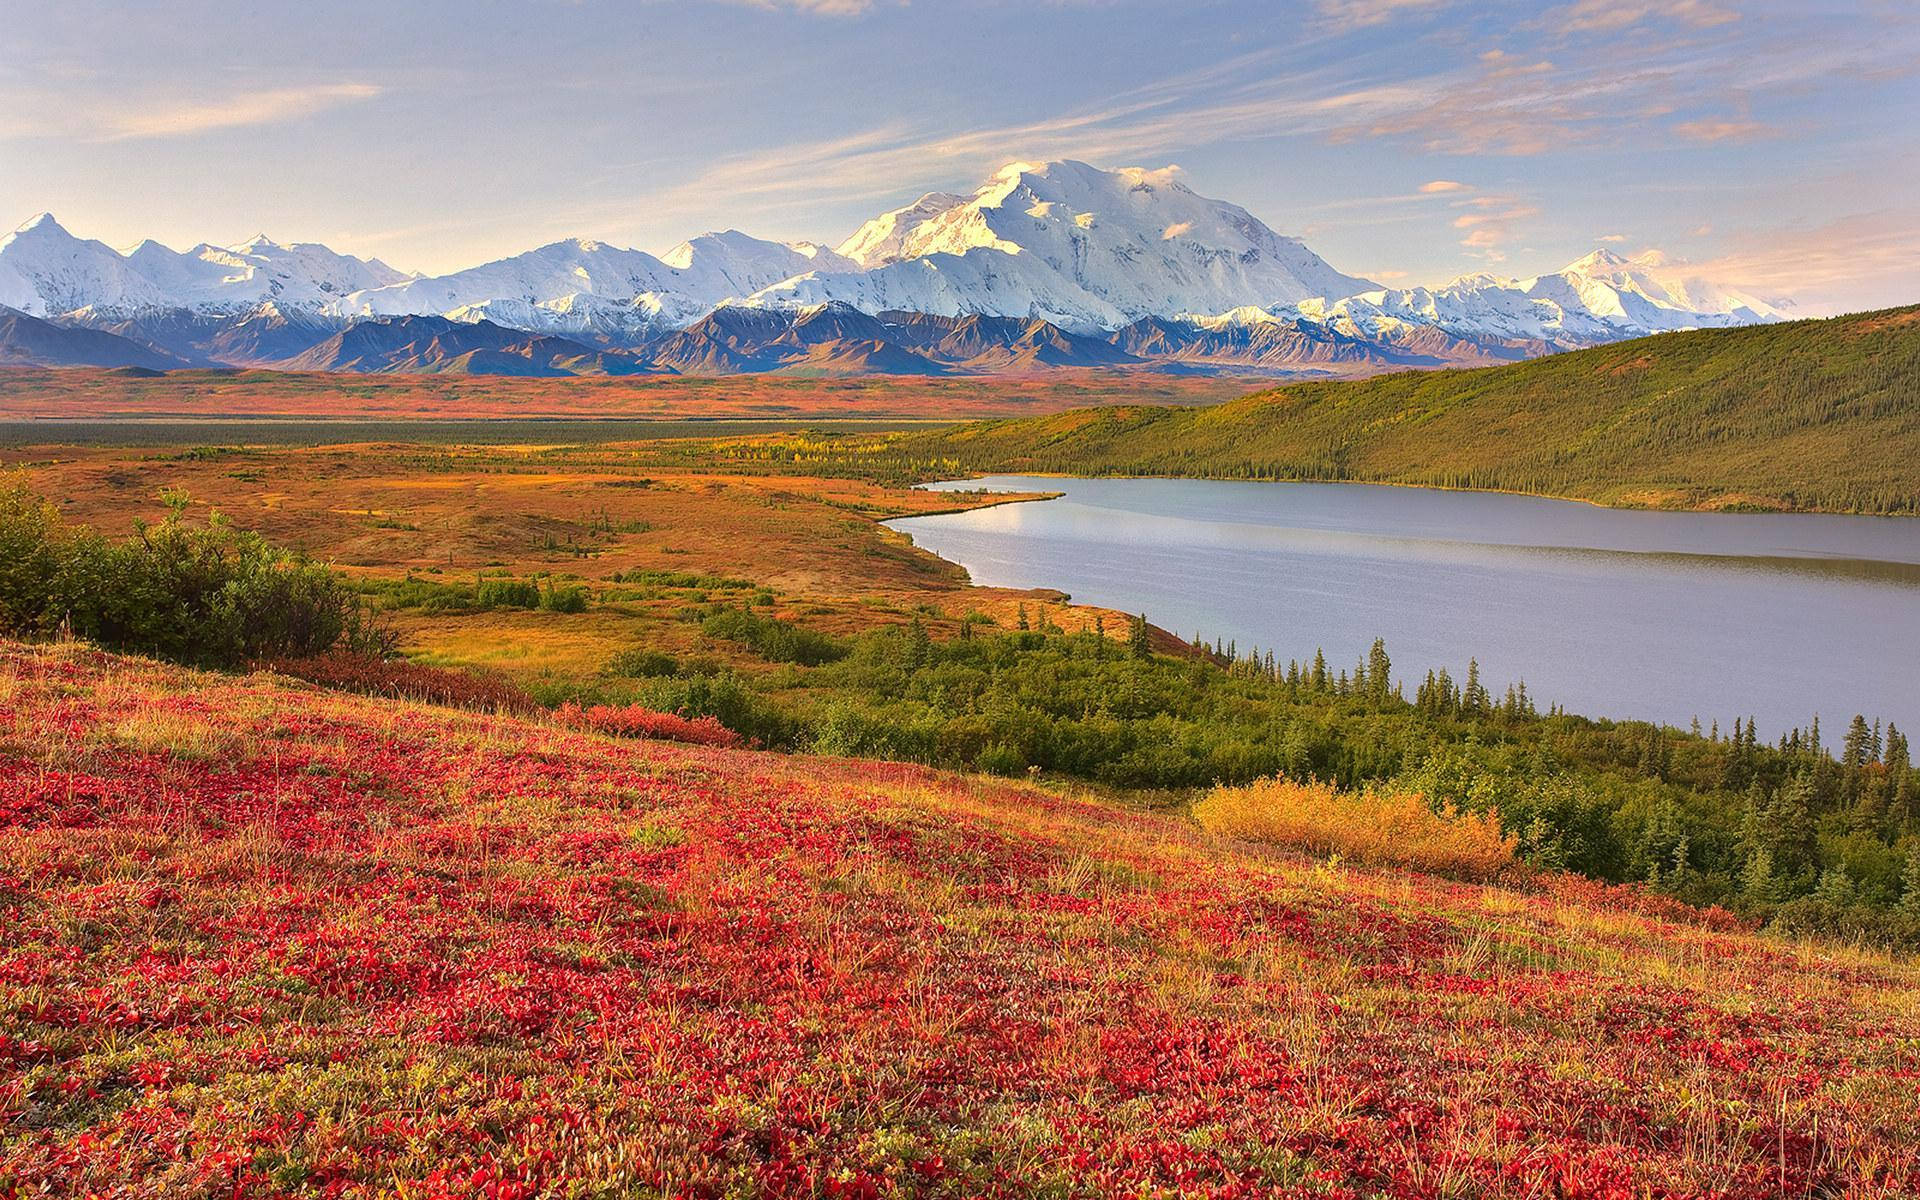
(1810, 414)
(269, 941)
(29, 341)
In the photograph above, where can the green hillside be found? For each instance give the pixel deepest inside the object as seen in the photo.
(1808, 415)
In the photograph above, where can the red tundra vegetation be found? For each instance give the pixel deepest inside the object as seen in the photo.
(266, 941)
(633, 720)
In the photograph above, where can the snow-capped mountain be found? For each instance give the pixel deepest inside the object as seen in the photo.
(589, 287)
(1075, 245)
(1132, 258)
(1600, 298)
(46, 271)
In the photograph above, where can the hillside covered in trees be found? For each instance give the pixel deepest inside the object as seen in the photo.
(1821, 415)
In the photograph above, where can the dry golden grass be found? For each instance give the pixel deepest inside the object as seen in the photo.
(1382, 828)
(180, 734)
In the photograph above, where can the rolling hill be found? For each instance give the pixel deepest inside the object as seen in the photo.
(1808, 414)
(267, 940)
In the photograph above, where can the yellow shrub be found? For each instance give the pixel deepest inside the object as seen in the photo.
(1383, 828)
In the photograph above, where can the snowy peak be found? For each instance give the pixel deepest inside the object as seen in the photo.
(1602, 297)
(1074, 244)
(1665, 284)
(883, 239)
(47, 271)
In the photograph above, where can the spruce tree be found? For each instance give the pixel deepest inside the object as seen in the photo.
(1379, 670)
(1909, 905)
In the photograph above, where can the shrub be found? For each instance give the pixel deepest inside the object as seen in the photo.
(404, 680)
(1001, 759)
(208, 595)
(642, 664)
(507, 593)
(1378, 827)
(564, 598)
(632, 720)
(773, 639)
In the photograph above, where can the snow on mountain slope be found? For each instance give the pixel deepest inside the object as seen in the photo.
(1600, 298)
(883, 239)
(47, 271)
(731, 264)
(1072, 244)
(589, 287)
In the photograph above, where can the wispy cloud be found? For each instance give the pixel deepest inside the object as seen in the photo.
(1712, 130)
(1858, 261)
(265, 107)
(1362, 13)
(823, 8)
(1434, 186)
(1487, 223)
(1611, 16)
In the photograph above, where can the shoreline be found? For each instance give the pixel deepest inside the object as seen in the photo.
(1756, 511)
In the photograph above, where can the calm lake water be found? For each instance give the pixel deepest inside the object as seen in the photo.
(1654, 615)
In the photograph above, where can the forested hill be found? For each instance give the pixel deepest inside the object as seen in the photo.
(1812, 414)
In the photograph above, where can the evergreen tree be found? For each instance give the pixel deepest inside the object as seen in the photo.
(1137, 639)
(1856, 750)
(1379, 671)
(919, 645)
(1910, 885)
(1835, 888)
(1759, 881)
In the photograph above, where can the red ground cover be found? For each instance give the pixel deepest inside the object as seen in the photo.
(266, 942)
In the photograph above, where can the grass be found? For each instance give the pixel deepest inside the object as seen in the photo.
(371, 948)
(1377, 827)
(319, 405)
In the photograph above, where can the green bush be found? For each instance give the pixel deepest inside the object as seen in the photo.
(564, 598)
(643, 664)
(773, 639)
(506, 593)
(207, 595)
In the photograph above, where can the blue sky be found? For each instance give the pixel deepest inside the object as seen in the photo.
(1775, 144)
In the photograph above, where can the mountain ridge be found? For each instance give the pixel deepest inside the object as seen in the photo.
(1092, 253)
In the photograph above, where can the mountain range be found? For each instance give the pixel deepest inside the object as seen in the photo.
(1045, 265)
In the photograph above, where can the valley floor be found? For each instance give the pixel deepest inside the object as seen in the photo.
(264, 940)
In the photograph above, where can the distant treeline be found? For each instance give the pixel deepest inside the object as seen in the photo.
(1821, 415)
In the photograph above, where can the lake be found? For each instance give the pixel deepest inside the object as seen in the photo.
(1607, 612)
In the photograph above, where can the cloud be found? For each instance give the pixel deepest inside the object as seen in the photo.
(1611, 16)
(1442, 185)
(1358, 14)
(1487, 222)
(1611, 238)
(1864, 260)
(1721, 130)
(822, 8)
(266, 107)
